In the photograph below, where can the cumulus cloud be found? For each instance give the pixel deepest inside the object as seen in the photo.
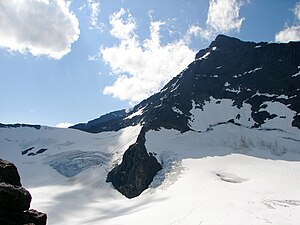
(196, 31)
(123, 29)
(290, 33)
(223, 17)
(41, 27)
(64, 125)
(142, 67)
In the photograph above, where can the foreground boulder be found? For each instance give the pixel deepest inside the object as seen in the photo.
(20, 218)
(9, 173)
(15, 200)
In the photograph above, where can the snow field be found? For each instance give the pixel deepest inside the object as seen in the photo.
(227, 184)
(216, 111)
(227, 175)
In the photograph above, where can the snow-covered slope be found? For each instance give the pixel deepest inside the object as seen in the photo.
(245, 176)
(226, 178)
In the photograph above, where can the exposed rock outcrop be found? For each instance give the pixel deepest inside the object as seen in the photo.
(136, 171)
(15, 199)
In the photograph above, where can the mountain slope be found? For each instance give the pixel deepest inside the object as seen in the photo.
(245, 72)
(255, 85)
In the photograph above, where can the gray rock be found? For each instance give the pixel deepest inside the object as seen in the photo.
(14, 198)
(9, 173)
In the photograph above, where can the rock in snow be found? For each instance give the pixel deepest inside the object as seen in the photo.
(136, 171)
(9, 173)
(15, 200)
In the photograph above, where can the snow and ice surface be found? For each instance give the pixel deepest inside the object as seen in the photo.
(217, 174)
(137, 113)
(217, 111)
(228, 175)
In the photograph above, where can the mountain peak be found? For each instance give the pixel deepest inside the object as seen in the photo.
(226, 42)
(222, 42)
(232, 83)
(224, 38)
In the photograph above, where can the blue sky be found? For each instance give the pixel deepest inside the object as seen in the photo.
(72, 61)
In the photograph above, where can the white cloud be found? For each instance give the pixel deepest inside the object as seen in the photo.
(288, 34)
(64, 125)
(93, 57)
(123, 29)
(291, 33)
(297, 10)
(94, 7)
(204, 33)
(41, 27)
(222, 17)
(142, 67)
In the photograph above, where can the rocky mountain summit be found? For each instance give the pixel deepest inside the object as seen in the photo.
(229, 68)
(254, 85)
(15, 200)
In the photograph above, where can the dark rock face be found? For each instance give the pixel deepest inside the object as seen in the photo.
(20, 218)
(37, 217)
(107, 122)
(136, 171)
(9, 173)
(15, 200)
(19, 125)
